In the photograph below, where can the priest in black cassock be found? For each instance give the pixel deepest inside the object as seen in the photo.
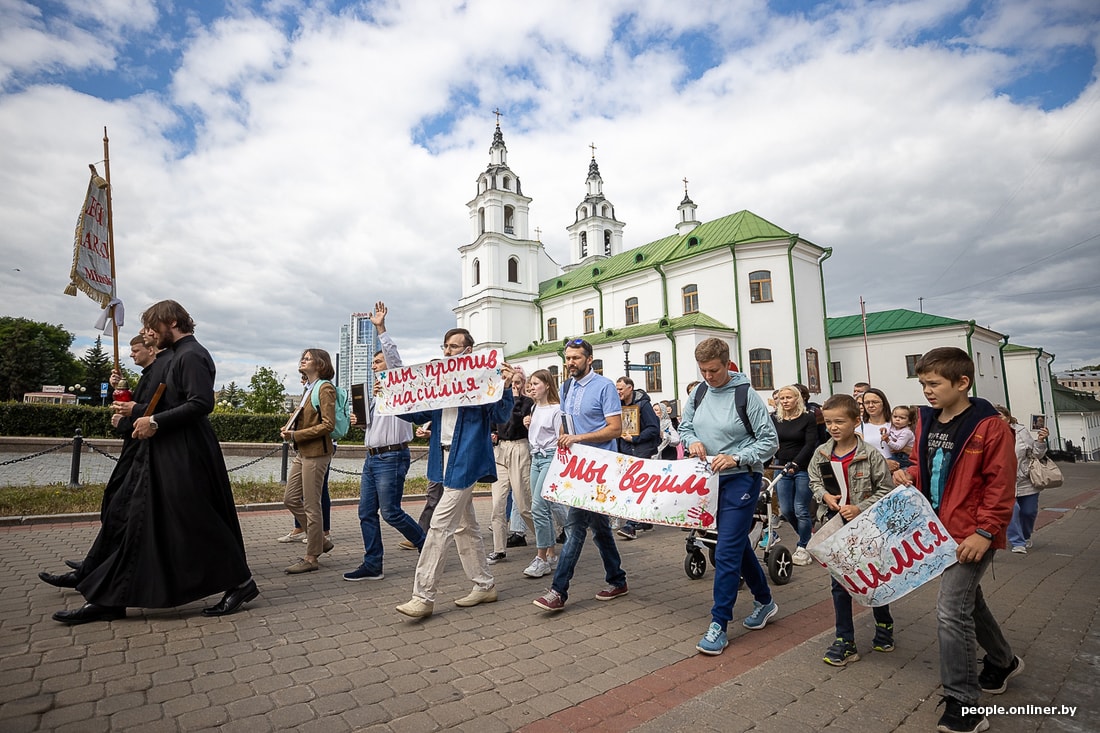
(143, 350)
(174, 515)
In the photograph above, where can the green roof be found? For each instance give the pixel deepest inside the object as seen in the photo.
(886, 322)
(744, 227)
(615, 336)
(1068, 400)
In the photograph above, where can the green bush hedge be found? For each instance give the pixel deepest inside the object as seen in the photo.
(61, 421)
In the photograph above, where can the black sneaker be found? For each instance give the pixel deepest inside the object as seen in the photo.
(627, 531)
(516, 540)
(953, 721)
(884, 638)
(840, 653)
(994, 679)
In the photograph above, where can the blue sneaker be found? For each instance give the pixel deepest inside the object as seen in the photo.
(714, 641)
(758, 619)
(362, 573)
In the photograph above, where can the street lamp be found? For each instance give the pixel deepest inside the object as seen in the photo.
(626, 356)
(78, 390)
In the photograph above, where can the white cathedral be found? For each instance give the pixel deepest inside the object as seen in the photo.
(738, 277)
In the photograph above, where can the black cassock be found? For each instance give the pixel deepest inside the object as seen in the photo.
(170, 533)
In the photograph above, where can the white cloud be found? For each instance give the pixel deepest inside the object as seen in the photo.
(305, 195)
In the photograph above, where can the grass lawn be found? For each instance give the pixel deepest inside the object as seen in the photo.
(19, 501)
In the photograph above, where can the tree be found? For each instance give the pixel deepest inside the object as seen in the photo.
(231, 397)
(266, 393)
(97, 365)
(33, 354)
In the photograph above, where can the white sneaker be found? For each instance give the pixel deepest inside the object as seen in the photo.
(292, 536)
(1020, 550)
(537, 568)
(801, 557)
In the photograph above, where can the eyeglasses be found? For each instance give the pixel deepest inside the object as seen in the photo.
(575, 342)
(459, 347)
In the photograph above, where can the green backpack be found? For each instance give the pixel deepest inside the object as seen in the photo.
(343, 408)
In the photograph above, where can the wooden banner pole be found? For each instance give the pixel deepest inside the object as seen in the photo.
(111, 241)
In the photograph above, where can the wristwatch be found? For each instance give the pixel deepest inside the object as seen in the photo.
(983, 533)
(153, 422)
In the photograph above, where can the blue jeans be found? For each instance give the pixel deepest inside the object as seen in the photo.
(733, 557)
(541, 509)
(794, 503)
(381, 487)
(842, 610)
(1023, 520)
(576, 529)
(964, 621)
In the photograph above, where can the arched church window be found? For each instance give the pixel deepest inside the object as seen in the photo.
(760, 286)
(584, 244)
(653, 376)
(513, 269)
(507, 183)
(691, 298)
(631, 311)
(477, 272)
(760, 368)
(509, 217)
(607, 242)
(481, 220)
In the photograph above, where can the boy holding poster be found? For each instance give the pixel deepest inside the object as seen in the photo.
(964, 462)
(848, 477)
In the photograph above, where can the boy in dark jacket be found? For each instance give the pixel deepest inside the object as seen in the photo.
(964, 462)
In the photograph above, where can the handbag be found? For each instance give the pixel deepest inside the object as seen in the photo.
(1044, 473)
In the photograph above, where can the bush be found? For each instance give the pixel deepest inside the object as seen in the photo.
(54, 421)
(61, 421)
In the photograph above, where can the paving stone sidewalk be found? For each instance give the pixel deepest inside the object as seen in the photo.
(314, 652)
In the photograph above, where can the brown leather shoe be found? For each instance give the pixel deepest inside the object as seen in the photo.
(302, 566)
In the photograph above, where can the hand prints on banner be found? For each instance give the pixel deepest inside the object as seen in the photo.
(676, 493)
(457, 381)
(888, 551)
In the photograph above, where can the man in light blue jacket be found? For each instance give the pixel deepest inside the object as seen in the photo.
(714, 429)
(460, 454)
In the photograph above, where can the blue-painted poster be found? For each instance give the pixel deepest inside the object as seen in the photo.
(891, 549)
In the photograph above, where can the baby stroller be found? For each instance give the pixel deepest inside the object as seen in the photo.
(777, 558)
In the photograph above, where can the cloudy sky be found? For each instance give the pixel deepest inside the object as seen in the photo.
(278, 165)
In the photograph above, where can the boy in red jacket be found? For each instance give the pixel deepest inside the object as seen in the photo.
(964, 462)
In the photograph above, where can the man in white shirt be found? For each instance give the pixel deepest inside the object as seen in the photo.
(384, 468)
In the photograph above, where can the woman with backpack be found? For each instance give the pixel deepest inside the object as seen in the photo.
(308, 431)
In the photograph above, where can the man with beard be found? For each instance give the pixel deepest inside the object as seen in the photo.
(178, 538)
(144, 352)
(593, 404)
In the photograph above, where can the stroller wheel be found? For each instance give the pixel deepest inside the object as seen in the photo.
(695, 565)
(780, 565)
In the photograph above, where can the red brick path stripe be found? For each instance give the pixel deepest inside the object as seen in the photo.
(625, 707)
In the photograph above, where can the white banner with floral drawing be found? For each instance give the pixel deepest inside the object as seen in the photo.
(457, 381)
(677, 493)
(887, 551)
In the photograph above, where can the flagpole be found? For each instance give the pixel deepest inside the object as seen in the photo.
(111, 241)
(866, 350)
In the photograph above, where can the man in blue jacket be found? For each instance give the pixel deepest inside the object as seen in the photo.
(460, 454)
